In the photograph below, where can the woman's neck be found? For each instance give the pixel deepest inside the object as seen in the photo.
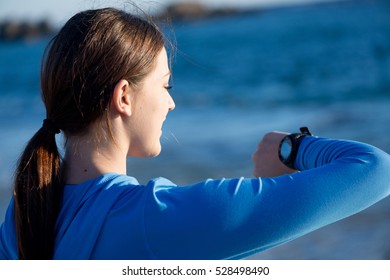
(86, 159)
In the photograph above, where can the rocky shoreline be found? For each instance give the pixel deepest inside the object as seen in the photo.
(196, 11)
(11, 30)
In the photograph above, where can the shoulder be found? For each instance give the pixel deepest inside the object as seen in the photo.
(126, 191)
(8, 247)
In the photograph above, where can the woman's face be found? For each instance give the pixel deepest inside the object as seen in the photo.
(151, 103)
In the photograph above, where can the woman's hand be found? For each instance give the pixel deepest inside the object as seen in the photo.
(266, 158)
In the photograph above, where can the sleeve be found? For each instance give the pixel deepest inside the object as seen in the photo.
(234, 218)
(3, 255)
(8, 245)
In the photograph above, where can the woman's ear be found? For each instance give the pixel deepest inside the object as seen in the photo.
(121, 98)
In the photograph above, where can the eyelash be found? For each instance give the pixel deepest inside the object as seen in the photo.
(168, 87)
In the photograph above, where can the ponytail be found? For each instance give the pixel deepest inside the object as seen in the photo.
(38, 190)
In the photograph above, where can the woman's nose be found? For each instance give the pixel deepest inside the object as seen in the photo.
(171, 103)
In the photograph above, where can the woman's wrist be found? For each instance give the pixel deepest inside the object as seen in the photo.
(288, 148)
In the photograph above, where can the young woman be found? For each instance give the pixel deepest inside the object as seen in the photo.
(105, 82)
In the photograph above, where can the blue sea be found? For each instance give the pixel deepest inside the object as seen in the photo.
(235, 78)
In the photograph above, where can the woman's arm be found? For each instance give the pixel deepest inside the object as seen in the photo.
(233, 218)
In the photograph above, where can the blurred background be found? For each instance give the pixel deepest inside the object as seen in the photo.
(240, 70)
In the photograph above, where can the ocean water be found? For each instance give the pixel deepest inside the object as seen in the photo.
(236, 78)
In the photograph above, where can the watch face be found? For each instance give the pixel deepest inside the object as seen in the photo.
(285, 148)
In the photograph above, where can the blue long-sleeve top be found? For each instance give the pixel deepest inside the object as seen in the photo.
(114, 217)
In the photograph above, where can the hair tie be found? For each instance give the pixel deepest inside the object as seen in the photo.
(50, 126)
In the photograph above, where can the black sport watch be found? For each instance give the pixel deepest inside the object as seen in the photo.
(289, 145)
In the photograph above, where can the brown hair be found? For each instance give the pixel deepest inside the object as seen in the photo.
(92, 52)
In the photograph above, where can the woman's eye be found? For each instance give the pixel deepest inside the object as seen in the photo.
(168, 87)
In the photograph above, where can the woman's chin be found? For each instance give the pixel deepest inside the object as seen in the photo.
(147, 153)
(155, 153)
